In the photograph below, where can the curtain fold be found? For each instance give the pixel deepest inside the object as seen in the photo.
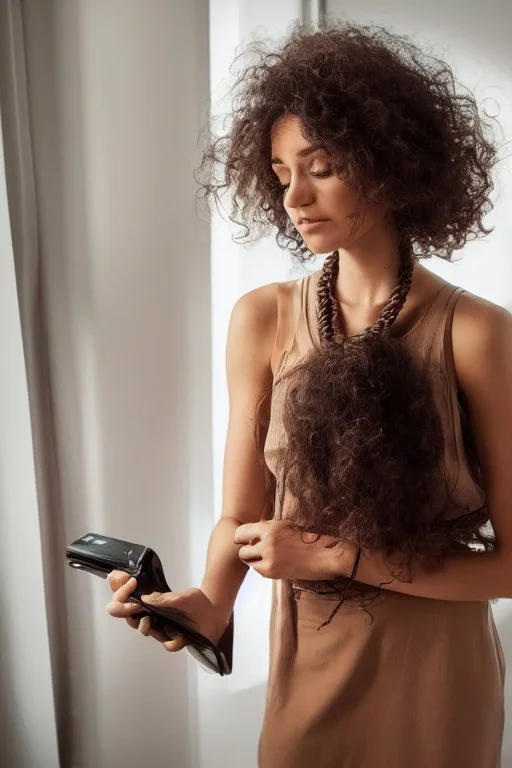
(23, 214)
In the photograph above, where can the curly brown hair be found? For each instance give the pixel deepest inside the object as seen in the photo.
(364, 443)
(390, 116)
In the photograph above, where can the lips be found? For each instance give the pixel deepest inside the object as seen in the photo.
(304, 220)
(311, 226)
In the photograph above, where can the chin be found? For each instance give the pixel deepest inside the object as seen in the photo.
(319, 245)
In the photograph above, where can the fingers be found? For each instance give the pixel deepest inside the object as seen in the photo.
(123, 593)
(248, 532)
(121, 606)
(250, 553)
(156, 598)
(124, 607)
(122, 610)
(132, 622)
(145, 627)
(117, 579)
(176, 644)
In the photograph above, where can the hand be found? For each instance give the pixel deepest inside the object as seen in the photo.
(193, 601)
(277, 551)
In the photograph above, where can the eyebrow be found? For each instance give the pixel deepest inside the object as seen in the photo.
(301, 153)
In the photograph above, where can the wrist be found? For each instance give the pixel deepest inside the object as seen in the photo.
(341, 558)
(222, 604)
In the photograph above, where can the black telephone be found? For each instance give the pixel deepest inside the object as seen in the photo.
(100, 554)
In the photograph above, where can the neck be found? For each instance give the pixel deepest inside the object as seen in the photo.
(368, 268)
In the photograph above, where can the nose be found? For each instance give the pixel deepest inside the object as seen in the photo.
(299, 193)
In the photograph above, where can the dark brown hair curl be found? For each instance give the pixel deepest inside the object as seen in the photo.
(397, 126)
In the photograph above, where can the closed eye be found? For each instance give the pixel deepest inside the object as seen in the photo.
(318, 174)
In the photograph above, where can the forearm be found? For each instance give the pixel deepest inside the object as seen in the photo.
(475, 576)
(224, 571)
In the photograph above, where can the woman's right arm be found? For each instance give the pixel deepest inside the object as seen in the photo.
(249, 359)
(252, 346)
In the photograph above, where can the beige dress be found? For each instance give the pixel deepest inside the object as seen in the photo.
(420, 686)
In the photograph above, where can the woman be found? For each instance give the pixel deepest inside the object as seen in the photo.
(383, 392)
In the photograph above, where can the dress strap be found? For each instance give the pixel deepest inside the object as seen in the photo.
(447, 336)
(293, 335)
(290, 301)
(437, 332)
(309, 336)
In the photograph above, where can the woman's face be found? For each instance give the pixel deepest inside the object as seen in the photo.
(321, 206)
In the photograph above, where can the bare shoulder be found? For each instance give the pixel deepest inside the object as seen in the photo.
(477, 322)
(252, 328)
(256, 311)
(260, 319)
(481, 337)
(261, 310)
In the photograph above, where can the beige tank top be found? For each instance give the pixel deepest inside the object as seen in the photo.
(428, 336)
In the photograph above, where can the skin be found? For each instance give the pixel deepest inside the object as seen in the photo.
(482, 350)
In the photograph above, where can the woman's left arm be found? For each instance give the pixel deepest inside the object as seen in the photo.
(482, 351)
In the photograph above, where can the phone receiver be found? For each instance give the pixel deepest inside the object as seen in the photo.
(99, 555)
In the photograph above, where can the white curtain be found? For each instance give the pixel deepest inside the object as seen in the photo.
(28, 731)
(107, 415)
(31, 534)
